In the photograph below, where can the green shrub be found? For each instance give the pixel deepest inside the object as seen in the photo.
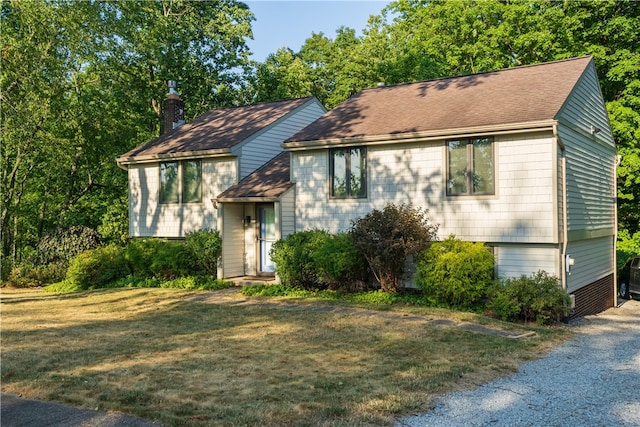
(391, 237)
(197, 283)
(139, 254)
(62, 245)
(293, 258)
(538, 297)
(455, 272)
(339, 264)
(97, 267)
(161, 258)
(206, 248)
(27, 275)
(135, 282)
(172, 260)
(62, 287)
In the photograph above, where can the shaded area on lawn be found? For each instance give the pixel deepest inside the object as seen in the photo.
(151, 353)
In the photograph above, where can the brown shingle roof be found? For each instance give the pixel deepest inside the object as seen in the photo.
(269, 182)
(514, 95)
(217, 129)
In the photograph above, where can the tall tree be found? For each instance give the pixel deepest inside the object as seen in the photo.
(82, 82)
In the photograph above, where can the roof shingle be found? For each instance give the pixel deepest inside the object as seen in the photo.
(514, 95)
(217, 129)
(268, 182)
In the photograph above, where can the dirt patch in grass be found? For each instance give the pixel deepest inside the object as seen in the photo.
(158, 354)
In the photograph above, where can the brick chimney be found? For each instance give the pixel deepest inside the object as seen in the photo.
(173, 109)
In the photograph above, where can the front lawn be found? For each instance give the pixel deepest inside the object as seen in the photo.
(160, 355)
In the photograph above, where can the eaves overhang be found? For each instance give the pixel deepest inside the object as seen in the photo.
(369, 140)
(155, 158)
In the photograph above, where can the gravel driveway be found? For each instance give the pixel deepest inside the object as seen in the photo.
(592, 380)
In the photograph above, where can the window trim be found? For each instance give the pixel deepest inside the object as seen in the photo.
(347, 151)
(470, 167)
(180, 182)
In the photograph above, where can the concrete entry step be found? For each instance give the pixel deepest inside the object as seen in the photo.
(252, 280)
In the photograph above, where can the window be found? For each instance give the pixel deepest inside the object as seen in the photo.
(181, 182)
(470, 166)
(169, 182)
(348, 169)
(191, 181)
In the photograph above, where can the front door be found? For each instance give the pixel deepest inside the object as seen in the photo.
(266, 237)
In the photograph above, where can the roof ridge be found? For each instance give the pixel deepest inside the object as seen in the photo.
(262, 103)
(499, 70)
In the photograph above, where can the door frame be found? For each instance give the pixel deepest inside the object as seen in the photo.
(259, 239)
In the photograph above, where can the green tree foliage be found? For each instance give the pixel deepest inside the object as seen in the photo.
(82, 82)
(390, 238)
(418, 39)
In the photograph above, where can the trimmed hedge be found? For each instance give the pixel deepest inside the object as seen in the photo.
(456, 273)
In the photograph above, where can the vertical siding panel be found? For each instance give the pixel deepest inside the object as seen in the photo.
(287, 210)
(232, 247)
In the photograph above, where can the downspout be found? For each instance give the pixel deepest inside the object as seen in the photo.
(618, 159)
(565, 232)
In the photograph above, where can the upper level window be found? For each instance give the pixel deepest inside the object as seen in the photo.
(181, 182)
(348, 169)
(470, 164)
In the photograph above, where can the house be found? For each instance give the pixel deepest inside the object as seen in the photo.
(174, 180)
(522, 159)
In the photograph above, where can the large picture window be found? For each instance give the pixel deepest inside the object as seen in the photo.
(181, 182)
(348, 173)
(470, 166)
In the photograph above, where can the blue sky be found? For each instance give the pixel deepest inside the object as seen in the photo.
(289, 23)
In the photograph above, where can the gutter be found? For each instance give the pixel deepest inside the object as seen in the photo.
(368, 140)
(154, 158)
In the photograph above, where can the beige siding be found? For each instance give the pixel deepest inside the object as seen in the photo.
(523, 208)
(150, 218)
(233, 248)
(250, 240)
(259, 149)
(593, 261)
(521, 211)
(516, 260)
(287, 213)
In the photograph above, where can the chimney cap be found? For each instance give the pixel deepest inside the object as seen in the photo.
(172, 87)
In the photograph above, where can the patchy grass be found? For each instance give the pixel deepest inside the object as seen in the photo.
(157, 355)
